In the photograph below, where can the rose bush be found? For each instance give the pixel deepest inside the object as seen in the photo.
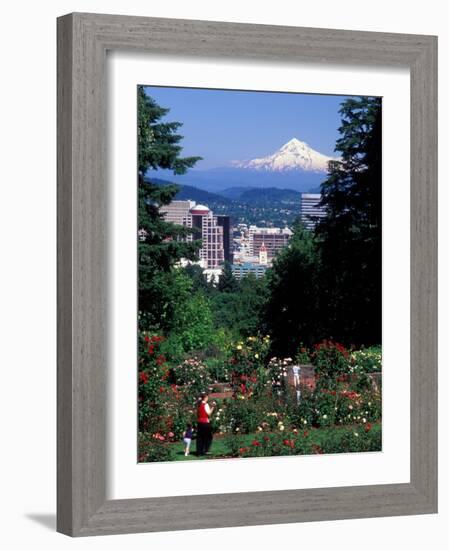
(308, 442)
(330, 359)
(343, 405)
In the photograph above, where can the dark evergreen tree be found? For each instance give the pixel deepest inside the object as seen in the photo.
(349, 236)
(199, 280)
(227, 281)
(292, 313)
(161, 243)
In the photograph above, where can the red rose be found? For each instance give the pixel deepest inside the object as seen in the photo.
(143, 377)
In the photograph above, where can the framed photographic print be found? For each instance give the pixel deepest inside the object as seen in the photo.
(247, 274)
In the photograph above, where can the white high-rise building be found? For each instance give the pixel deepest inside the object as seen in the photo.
(311, 212)
(209, 228)
(178, 212)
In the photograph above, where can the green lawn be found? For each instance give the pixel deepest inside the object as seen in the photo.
(219, 448)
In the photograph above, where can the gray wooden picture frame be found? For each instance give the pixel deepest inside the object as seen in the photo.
(83, 41)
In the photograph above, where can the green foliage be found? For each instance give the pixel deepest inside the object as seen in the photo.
(158, 142)
(292, 312)
(165, 294)
(349, 237)
(366, 360)
(303, 355)
(152, 449)
(192, 323)
(330, 359)
(199, 281)
(227, 282)
(161, 243)
(240, 311)
(278, 373)
(244, 415)
(250, 354)
(194, 377)
(153, 385)
(308, 442)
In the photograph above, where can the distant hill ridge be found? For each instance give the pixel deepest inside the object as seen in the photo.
(266, 206)
(188, 192)
(248, 195)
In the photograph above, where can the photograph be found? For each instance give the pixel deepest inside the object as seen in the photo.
(259, 246)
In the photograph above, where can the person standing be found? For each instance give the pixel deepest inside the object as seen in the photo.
(187, 439)
(204, 432)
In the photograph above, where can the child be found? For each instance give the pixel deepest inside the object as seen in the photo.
(187, 438)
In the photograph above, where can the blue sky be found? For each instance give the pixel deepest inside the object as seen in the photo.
(223, 125)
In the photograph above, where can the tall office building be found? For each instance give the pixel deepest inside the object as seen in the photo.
(210, 230)
(212, 251)
(311, 212)
(225, 223)
(178, 212)
(273, 239)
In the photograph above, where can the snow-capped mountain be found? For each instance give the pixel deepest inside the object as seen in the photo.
(294, 166)
(294, 155)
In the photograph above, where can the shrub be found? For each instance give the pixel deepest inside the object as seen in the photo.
(194, 376)
(278, 373)
(153, 382)
(303, 355)
(330, 359)
(308, 442)
(250, 354)
(153, 449)
(366, 360)
(243, 415)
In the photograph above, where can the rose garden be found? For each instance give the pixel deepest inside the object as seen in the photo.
(336, 407)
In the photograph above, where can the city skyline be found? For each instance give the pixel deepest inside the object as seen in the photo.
(249, 249)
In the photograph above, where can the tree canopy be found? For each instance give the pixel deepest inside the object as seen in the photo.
(349, 237)
(161, 244)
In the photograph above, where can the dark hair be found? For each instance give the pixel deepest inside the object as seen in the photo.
(203, 394)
